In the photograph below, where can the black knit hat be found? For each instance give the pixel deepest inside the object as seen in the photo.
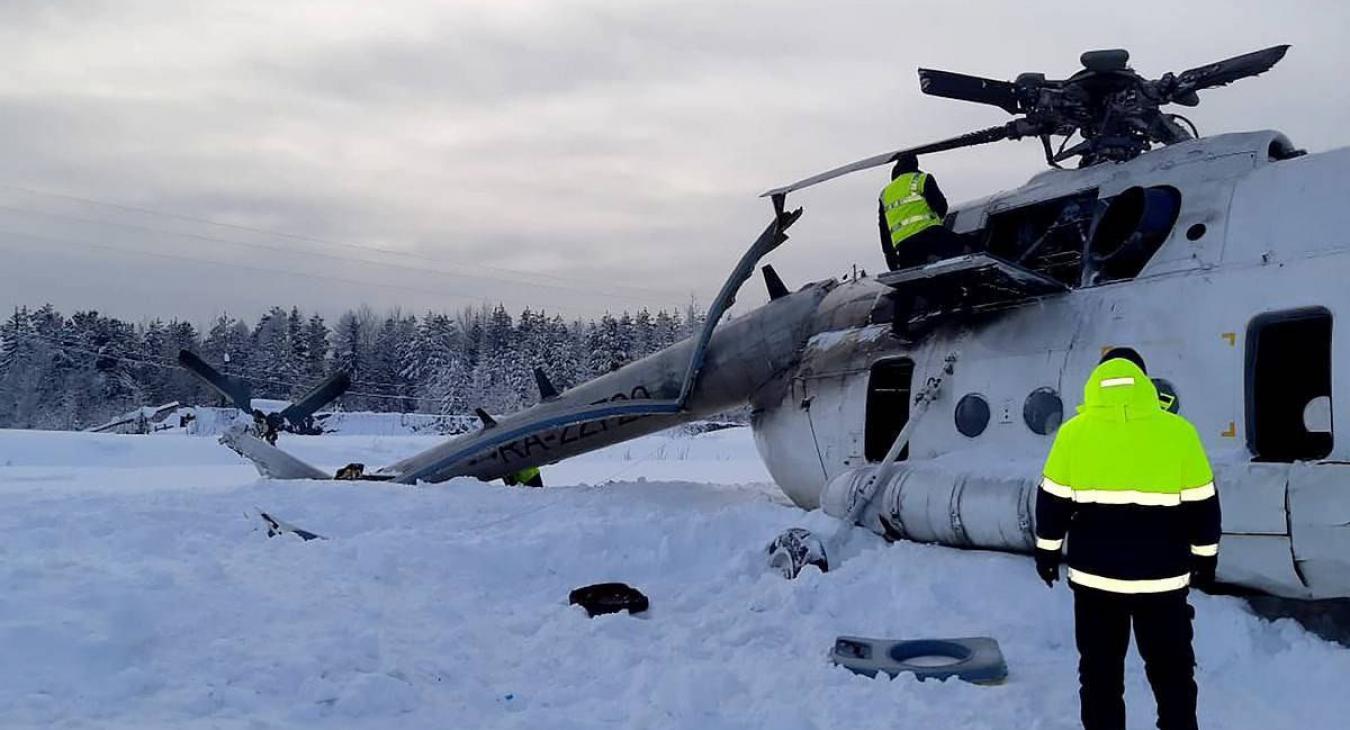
(1125, 353)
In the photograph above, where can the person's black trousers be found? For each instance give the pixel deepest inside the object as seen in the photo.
(1162, 632)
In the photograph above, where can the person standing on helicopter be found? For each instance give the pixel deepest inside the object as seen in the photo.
(909, 218)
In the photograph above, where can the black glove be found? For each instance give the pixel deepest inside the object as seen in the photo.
(1202, 570)
(1047, 566)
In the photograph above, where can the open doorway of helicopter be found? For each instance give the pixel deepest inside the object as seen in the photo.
(888, 397)
(1289, 385)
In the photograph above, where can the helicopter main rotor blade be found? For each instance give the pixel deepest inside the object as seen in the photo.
(983, 136)
(235, 391)
(1228, 70)
(318, 397)
(962, 87)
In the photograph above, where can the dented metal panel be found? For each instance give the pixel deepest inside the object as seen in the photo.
(1252, 497)
(1319, 515)
(1262, 562)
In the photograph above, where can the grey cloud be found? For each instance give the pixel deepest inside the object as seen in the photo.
(608, 147)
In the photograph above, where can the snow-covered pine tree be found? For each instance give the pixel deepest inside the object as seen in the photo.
(315, 364)
(180, 385)
(349, 352)
(151, 372)
(20, 355)
(644, 334)
(295, 336)
(440, 367)
(271, 358)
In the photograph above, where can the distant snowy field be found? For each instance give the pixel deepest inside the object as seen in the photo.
(135, 592)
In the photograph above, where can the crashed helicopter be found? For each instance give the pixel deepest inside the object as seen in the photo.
(1222, 259)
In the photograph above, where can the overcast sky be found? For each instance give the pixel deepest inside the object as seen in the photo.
(168, 157)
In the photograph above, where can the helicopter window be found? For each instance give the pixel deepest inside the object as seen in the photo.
(1288, 377)
(972, 415)
(888, 392)
(1043, 411)
(1281, 149)
(1130, 230)
(1047, 237)
(1196, 232)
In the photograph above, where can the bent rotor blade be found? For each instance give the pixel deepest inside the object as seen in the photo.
(962, 87)
(235, 391)
(983, 136)
(318, 397)
(1229, 70)
(271, 462)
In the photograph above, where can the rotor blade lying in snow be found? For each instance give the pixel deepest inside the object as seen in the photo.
(271, 462)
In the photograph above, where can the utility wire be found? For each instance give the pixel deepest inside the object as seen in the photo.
(293, 236)
(11, 237)
(592, 292)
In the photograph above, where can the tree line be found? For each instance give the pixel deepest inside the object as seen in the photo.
(59, 372)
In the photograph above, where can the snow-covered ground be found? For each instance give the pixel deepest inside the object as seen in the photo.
(137, 591)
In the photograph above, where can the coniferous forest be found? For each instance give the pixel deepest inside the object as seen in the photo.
(77, 371)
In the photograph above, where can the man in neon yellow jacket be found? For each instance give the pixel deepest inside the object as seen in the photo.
(1128, 485)
(529, 476)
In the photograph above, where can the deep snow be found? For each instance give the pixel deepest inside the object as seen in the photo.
(135, 591)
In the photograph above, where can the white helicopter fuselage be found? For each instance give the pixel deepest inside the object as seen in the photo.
(1235, 310)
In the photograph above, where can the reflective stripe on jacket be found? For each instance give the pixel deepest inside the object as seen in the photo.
(907, 211)
(1130, 487)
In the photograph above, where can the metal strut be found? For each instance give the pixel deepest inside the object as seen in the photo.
(882, 474)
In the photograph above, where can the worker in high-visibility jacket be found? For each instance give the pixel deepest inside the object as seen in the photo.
(529, 476)
(1129, 487)
(909, 218)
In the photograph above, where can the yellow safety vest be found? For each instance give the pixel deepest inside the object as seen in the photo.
(907, 212)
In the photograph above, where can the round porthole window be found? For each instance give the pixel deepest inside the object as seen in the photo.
(972, 415)
(1167, 395)
(1043, 411)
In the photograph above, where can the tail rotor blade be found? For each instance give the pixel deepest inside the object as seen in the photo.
(948, 85)
(235, 391)
(318, 397)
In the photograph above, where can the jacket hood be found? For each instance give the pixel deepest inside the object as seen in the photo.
(1119, 390)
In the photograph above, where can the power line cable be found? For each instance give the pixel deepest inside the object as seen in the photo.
(12, 235)
(421, 270)
(300, 237)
